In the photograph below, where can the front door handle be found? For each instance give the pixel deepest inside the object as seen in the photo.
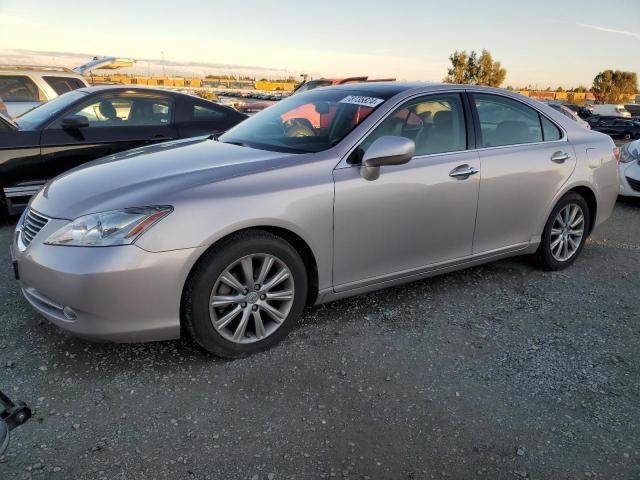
(560, 157)
(463, 171)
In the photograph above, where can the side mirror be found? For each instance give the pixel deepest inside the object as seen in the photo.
(386, 150)
(73, 122)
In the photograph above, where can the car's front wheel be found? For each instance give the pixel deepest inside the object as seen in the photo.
(565, 233)
(245, 294)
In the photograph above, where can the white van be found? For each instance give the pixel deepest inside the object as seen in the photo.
(610, 110)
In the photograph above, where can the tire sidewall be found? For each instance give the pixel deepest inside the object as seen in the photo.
(548, 260)
(201, 284)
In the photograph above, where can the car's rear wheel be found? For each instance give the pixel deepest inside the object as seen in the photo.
(565, 233)
(245, 294)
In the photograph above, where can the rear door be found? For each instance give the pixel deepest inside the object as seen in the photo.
(117, 122)
(525, 160)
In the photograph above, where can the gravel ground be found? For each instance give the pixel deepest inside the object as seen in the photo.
(501, 371)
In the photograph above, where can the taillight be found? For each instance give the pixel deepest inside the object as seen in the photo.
(616, 153)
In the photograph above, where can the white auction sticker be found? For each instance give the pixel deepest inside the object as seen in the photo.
(364, 101)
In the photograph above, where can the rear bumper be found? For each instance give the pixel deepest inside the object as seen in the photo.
(121, 294)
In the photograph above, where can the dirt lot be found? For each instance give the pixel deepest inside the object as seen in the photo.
(501, 371)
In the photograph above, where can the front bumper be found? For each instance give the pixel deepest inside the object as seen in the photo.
(121, 294)
(630, 170)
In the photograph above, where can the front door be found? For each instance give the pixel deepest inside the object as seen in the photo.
(117, 122)
(415, 215)
(525, 161)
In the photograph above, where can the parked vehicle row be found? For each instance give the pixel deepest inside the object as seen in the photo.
(329, 193)
(616, 127)
(89, 123)
(273, 96)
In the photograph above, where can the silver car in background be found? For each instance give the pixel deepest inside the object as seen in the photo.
(330, 193)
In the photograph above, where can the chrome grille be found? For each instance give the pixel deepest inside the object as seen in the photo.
(32, 224)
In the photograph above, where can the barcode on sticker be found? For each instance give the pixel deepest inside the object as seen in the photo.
(364, 101)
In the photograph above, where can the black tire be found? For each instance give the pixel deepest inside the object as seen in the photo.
(543, 257)
(196, 298)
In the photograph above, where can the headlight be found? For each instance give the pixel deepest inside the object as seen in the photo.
(117, 227)
(625, 155)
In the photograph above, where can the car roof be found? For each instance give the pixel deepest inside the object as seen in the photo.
(37, 69)
(135, 88)
(105, 88)
(144, 89)
(390, 89)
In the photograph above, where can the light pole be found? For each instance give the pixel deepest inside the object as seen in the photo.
(163, 71)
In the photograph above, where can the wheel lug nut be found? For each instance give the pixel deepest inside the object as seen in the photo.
(245, 291)
(257, 287)
(254, 308)
(263, 296)
(243, 304)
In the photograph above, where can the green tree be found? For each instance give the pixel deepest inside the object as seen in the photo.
(458, 70)
(475, 70)
(614, 86)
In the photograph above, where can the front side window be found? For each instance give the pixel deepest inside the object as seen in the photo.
(506, 122)
(436, 124)
(309, 122)
(126, 111)
(62, 85)
(19, 88)
(45, 112)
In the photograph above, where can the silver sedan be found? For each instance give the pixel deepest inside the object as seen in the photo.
(330, 193)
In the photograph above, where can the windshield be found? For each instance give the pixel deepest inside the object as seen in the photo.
(35, 117)
(305, 123)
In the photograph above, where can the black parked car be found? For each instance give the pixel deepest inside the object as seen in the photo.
(583, 111)
(633, 109)
(89, 123)
(615, 127)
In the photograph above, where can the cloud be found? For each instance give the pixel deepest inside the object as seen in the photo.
(142, 65)
(610, 30)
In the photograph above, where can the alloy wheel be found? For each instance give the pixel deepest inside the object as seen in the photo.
(567, 232)
(251, 298)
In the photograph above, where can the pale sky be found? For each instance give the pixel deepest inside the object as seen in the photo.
(543, 43)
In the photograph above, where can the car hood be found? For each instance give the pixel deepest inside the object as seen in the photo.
(149, 175)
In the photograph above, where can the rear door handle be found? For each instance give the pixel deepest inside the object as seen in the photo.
(463, 171)
(560, 157)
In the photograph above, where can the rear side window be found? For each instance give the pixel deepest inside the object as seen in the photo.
(549, 130)
(62, 85)
(506, 122)
(207, 113)
(19, 88)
